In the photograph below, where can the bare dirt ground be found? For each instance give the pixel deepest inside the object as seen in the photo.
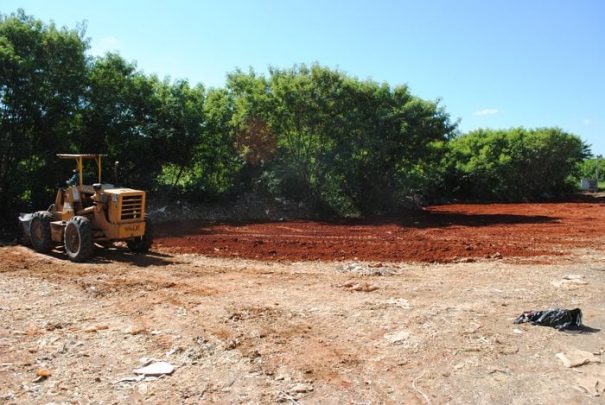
(443, 233)
(358, 326)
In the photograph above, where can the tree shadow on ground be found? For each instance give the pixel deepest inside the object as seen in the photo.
(417, 219)
(429, 219)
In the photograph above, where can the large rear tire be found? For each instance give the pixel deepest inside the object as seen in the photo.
(142, 244)
(79, 243)
(39, 230)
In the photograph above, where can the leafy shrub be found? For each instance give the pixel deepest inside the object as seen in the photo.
(514, 164)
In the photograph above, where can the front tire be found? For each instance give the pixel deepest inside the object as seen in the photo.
(39, 230)
(79, 243)
(142, 244)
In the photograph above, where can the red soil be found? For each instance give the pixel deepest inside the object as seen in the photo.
(441, 233)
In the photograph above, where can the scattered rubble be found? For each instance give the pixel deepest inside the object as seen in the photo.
(576, 358)
(399, 302)
(359, 287)
(363, 269)
(300, 388)
(398, 337)
(570, 281)
(41, 375)
(591, 384)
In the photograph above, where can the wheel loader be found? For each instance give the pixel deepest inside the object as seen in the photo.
(83, 215)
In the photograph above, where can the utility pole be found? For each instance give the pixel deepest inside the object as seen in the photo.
(599, 157)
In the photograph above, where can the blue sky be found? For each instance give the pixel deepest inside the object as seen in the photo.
(494, 64)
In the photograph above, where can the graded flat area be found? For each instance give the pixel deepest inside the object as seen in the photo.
(369, 328)
(444, 233)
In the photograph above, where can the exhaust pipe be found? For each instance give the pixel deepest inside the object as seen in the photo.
(25, 220)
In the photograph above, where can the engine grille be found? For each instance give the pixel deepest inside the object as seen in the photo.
(132, 207)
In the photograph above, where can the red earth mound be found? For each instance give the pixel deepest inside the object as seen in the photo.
(441, 233)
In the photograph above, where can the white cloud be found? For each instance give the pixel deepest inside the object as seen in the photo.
(586, 121)
(101, 46)
(486, 111)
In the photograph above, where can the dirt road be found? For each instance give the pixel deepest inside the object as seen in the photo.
(340, 331)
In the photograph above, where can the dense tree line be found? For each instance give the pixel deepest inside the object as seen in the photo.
(343, 146)
(512, 165)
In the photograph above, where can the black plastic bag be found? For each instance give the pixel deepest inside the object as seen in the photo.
(560, 319)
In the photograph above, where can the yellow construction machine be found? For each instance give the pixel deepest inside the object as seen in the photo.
(84, 214)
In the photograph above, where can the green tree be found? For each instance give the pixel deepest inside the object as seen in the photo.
(514, 164)
(119, 118)
(352, 146)
(216, 166)
(253, 108)
(178, 126)
(342, 145)
(42, 77)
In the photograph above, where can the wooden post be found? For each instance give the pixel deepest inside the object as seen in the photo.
(80, 169)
